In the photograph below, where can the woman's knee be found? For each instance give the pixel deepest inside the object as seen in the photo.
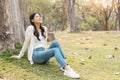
(56, 49)
(56, 42)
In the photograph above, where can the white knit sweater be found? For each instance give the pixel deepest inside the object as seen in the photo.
(29, 43)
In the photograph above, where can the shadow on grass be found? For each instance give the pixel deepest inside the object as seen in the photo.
(23, 70)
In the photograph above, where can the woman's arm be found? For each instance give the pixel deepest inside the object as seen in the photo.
(46, 34)
(25, 45)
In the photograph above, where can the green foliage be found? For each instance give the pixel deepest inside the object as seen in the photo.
(18, 46)
(96, 25)
(85, 27)
(53, 14)
(55, 18)
(7, 53)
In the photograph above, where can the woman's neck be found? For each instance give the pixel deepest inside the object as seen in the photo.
(37, 27)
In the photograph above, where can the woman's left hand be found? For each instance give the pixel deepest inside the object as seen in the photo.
(15, 57)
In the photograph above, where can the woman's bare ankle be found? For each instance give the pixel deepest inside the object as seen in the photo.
(66, 67)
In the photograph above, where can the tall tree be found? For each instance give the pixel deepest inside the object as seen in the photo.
(117, 11)
(103, 12)
(11, 23)
(70, 7)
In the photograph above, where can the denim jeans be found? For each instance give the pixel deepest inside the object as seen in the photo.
(42, 55)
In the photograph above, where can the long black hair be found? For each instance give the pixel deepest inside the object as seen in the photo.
(36, 33)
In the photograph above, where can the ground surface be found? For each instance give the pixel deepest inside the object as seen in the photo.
(94, 55)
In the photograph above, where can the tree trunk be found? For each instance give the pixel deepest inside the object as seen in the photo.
(70, 15)
(11, 23)
(106, 24)
(118, 21)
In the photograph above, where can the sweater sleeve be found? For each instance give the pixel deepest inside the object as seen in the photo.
(26, 43)
(46, 34)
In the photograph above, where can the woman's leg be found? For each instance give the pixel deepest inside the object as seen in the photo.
(44, 56)
(56, 44)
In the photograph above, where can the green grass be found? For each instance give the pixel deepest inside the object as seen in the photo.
(93, 47)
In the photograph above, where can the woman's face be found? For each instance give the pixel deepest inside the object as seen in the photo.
(37, 19)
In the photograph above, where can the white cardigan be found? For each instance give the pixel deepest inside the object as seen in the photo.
(29, 43)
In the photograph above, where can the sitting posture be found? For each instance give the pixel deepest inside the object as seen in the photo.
(36, 43)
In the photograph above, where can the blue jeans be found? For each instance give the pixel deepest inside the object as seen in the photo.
(42, 55)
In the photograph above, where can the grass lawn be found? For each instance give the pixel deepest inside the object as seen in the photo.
(88, 53)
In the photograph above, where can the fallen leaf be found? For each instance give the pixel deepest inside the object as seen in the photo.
(116, 48)
(87, 38)
(117, 73)
(104, 44)
(82, 63)
(82, 60)
(82, 43)
(91, 42)
(110, 56)
(90, 57)
(86, 48)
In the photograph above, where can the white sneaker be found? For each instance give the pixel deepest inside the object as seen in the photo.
(71, 73)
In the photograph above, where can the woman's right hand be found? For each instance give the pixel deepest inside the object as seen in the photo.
(15, 57)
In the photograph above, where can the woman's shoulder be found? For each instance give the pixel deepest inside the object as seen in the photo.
(30, 27)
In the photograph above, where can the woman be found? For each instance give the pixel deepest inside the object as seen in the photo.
(36, 42)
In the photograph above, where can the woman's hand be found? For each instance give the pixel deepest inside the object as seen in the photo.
(15, 57)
